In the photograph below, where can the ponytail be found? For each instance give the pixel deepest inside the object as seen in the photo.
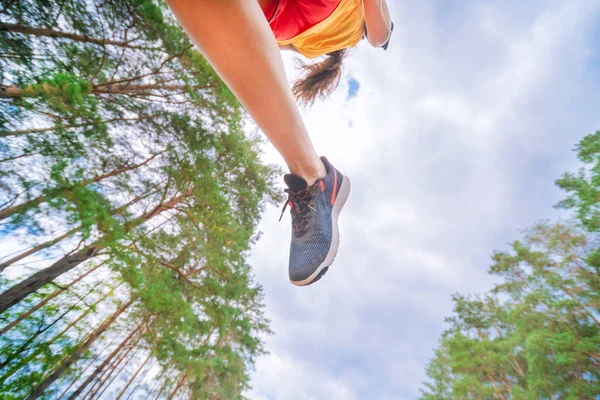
(320, 80)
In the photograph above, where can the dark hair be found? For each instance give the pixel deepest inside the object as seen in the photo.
(321, 78)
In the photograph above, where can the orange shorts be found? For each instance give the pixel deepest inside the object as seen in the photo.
(289, 18)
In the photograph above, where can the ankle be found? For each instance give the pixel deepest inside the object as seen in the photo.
(310, 172)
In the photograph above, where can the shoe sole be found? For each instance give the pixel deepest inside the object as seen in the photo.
(335, 239)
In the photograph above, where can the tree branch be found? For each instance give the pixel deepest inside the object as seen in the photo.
(47, 32)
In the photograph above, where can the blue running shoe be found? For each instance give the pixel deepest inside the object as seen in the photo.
(315, 234)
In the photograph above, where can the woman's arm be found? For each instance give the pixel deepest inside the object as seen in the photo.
(378, 22)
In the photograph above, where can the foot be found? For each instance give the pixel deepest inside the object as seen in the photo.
(315, 234)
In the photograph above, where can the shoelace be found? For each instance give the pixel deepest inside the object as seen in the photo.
(300, 203)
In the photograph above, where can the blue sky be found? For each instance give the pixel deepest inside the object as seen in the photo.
(353, 87)
(453, 144)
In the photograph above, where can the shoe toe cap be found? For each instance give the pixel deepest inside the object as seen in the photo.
(304, 264)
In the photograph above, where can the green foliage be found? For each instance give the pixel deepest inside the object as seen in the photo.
(541, 342)
(583, 187)
(536, 335)
(40, 342)
(116, 131)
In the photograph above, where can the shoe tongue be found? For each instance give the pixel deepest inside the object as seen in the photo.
(295, 182)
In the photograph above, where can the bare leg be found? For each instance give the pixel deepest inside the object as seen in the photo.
(236, 39)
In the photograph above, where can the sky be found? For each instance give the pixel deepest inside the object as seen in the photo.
(452, 139)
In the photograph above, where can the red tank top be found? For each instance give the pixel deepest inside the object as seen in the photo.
(289, 18)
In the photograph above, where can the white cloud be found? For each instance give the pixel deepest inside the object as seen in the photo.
(296, 379)
(457, 135)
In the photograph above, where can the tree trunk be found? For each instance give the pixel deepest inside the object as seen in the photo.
(162, 388)
(31, 30)
(114, 376)
(496, 387)
(69, 326)
(106, 375)
(49, 380)
(23, 347)
(35, 249)
(580, 305)
(135, 374)
(83, 314)
(157, 381)
(46, 300)
(82, 372)
(9, 92)
(52, 128)
(177, 386)
(24, 288)
(17, 157)
(118, 211)
(104, 363)
(10, 211)
(141, 380)
(30, 340)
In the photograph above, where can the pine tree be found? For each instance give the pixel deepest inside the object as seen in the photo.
(541, 342)
(537, 334)
(124, 164)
